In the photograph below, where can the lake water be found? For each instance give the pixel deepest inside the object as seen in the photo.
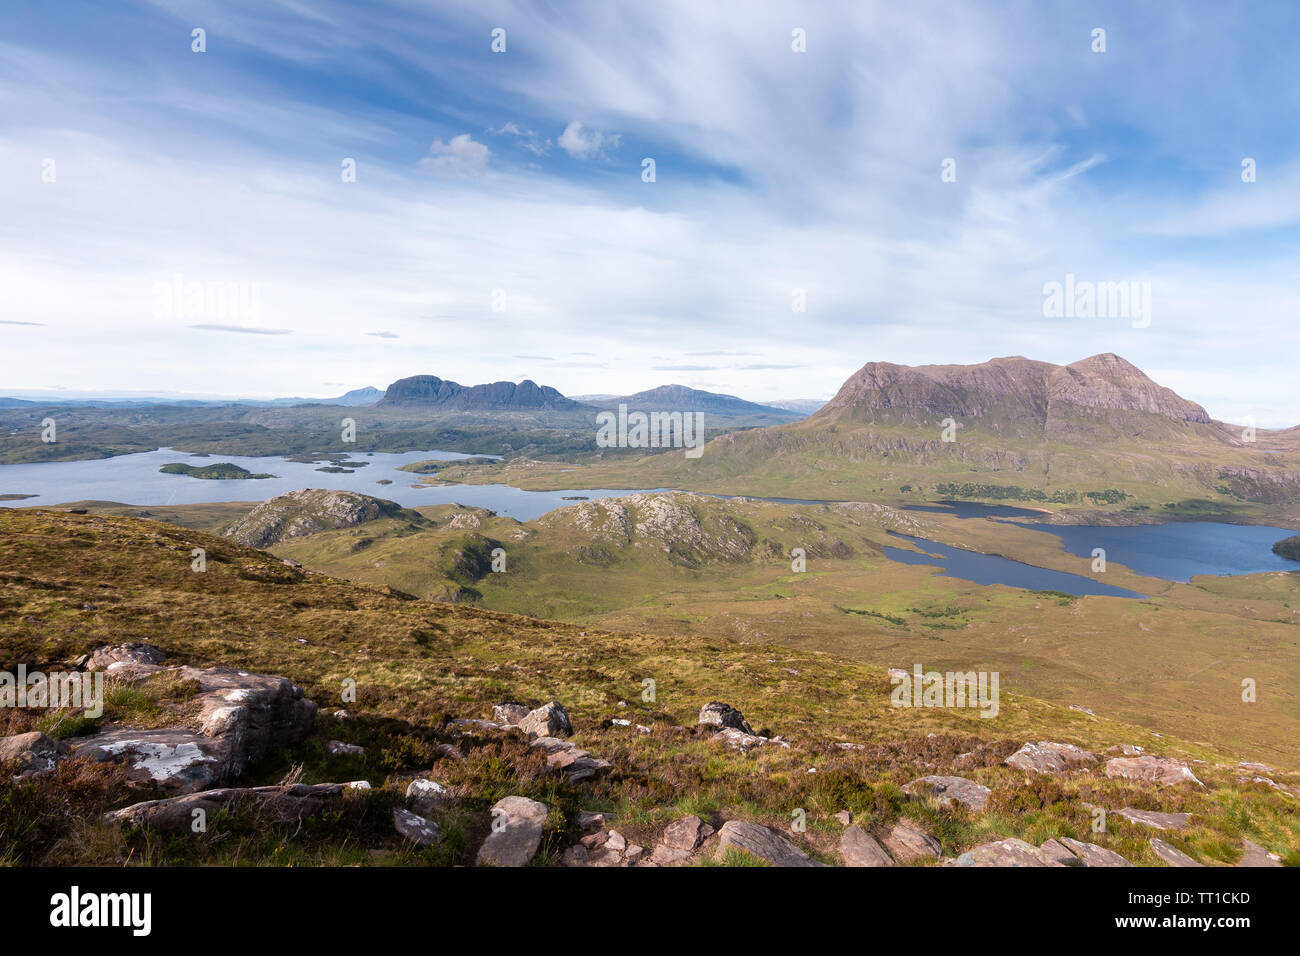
(135, 480)
(991, 569)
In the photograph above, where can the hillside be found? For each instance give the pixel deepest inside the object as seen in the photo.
(428, 676)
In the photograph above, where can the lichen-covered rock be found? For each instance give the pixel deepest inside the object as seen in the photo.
(516, 832)
(1090, 854)
(1164, 771)
(279, 804)
(416, 828)
(549, 720)
(509, 713)
(427, 796)
(1171, 854)
(34, 752)
(763, 843)
(566, 758)
(951, 790)
(132, 659)
(907, 842)
(1010, 852)
(1152, 818)
(717, 714)
(860, 848)
(1048, 757)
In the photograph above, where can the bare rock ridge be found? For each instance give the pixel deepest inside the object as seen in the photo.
(431, 391)
(1014, 388)
(310, 510)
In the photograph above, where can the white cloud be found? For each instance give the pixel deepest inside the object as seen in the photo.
(582, 143)
(462, 156)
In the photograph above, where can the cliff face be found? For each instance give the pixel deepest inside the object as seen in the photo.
(429, 390)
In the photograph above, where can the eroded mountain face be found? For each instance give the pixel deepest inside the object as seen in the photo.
(311, 510)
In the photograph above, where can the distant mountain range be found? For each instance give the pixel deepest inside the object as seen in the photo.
(433, 392)
(679, 398)
(358, 396)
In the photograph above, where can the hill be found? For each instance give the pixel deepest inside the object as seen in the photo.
(428, 675)
(433, 392)
(679, 398)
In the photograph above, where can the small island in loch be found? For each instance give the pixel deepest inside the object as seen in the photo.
(222, 471)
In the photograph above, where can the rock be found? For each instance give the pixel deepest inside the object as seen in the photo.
(280, 804)
(1172, 855)
(1161, 821)
(516, 832)
(716, 714)
(1164, 771)
(130, 660)
(1048, 757)
(509, 713)
(241, 717)
(615, 842)
(844, 818)
(763, 843)
(951, 789)
(860, 848)
(415, 828)
(566, 758)
(1009, 852)
(686, 833)
(342, 715)
(906, 843)
(448, 752)
(1055, 852)
(1090, 854)
(337, 748)
(358, 785)
(1256, 855)
(428, 796)
(589, 820)
(35, 752)
(1083, 710)
(739, 740)
(549, 720)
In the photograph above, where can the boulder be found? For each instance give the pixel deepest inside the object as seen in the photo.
(951, 790)
(241, 717)
(549, 720)
(1048, 757)
(739, 740)
(132, 659)
(1151, 818)
(415, 828)
(516, 832)
(681, 839)
(860, 848)
(1090, 854)
(567, 759)
(716, 714)
(905, 842)
(34, 752)
(763, 843)
(509, 713)
(337, 748)
(844, 818)
(427, 796)
(1009, 852)
(278, 804)
(1164, 771)
(1171, 854)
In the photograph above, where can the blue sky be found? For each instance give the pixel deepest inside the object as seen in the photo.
(515, 178)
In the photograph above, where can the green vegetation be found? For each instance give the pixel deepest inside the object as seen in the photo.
(69, 583)
(1288, 548)
(223, 471)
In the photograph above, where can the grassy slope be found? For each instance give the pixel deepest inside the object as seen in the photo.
(416, 662)
(1172, 663)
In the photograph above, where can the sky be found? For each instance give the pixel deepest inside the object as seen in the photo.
(834, 184)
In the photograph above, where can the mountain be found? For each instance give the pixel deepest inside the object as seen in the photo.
(680, 398)
(433, 392)
(310, 511)
(804, 406)
(1095, 433)
(358, 396)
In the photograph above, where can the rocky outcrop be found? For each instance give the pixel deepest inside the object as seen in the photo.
(1056, 852)
(739, 740)
(763, 843)
(606, 848)
(240, 717)
(1090, 854)
(1164, 771)
(907, 842)
(1152, 818)
(549, 720)
(1009, 852)
(1256, 855)
(1048, 757)
(34, 752)
(950, 790)
(1171, 854)
(860, 848)
(717, 714)
(134, 659)
(516, 833)
(568, 760)
(681, 839)
(278, 804)
(309, 511)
